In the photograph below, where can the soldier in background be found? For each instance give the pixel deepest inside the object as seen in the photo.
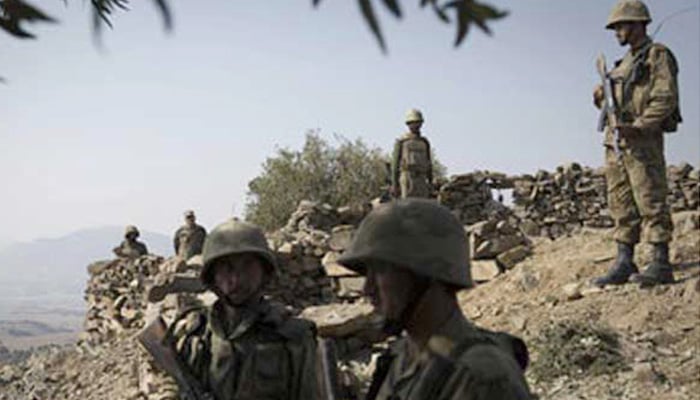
(243, 346)
(189, 238)
(415, 258)
(130, 247)
(412, 167)
(645, 89)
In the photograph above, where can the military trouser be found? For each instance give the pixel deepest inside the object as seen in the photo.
(637, 190)
(414, 184)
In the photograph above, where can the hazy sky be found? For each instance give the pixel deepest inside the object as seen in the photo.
(154, 124)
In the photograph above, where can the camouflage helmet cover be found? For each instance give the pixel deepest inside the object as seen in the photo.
(234, 237)
(417, 234)
(414, 115)
(189, 213)
(628, 11)
(131, 229)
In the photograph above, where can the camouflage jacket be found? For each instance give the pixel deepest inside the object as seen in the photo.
(460, 361)
(129, 249)
(260, 353)
(188, 241)
(645, 87)
(411, 154)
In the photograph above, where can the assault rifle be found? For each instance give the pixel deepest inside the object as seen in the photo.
(152, 338)
(608, 113)
(329, 370)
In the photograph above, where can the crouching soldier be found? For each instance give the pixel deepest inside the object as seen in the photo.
(414, 255)
(243, 346)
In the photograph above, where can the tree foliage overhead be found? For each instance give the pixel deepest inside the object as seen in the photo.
(350, 172)
(15, 13)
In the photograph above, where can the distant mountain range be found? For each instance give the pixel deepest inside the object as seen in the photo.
(50, 274)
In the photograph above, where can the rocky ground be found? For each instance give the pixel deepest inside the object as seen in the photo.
(586, 343)
(533, 263)
(547, 299)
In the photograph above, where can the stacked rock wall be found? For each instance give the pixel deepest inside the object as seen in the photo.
(554, 203)
(115, 297)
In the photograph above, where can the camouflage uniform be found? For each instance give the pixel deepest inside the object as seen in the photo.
(645, 90)
(250, 351)
(636, 182)
(188, 241)
(130, 247)
(412, 168)
(261, 353)
(459, 360)
(444, 371)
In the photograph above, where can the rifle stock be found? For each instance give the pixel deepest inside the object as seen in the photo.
(609, 111)
(152, 339)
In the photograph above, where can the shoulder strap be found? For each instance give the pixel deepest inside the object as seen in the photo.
(380, 372)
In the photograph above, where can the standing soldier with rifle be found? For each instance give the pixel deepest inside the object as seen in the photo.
(639, 98)
(243, 347)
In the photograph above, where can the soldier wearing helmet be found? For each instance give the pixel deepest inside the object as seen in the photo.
(243, 346)
(645, 90)
(414, 255)
(412, 168)
(130, 247)
(189, 238)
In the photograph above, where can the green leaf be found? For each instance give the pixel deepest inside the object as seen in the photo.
(471, 11)
(394, 7)
(13, 13)
(371, 19)
(165, 12)
(439, 12)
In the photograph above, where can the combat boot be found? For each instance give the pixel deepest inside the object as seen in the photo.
(659, 270)
(622, 268)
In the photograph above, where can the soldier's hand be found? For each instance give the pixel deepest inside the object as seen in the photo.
(598, 96)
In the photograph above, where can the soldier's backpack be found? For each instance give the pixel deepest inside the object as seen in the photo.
(415, 154)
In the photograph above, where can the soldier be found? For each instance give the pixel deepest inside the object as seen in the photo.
(189, 238)
(130, 247)
(412, 167)
(645, 90)
(243, 346)
(414, 255)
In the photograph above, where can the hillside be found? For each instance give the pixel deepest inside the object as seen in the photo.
(654, 354)
(533, 263)
(42, 283)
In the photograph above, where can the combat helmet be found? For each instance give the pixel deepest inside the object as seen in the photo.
(417, 234)
(234, 237)
(131, 229)
(628, 11)
(414, 115)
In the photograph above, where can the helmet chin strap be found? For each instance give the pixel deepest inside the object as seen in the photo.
(396, 326)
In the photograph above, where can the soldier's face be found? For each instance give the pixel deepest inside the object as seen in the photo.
(414, 126)
(190, 220)
(239, 278)
(622, 32)
(390, 290)
(629, 32)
